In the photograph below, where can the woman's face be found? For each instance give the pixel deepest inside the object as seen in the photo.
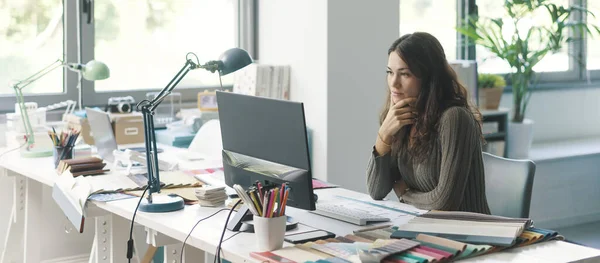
(401, 82)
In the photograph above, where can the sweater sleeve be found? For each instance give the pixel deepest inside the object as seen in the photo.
(381, 175)
(459, 138)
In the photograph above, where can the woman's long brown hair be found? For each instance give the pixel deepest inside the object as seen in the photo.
(440, 89)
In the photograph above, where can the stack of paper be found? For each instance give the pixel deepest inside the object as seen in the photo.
(211, 195)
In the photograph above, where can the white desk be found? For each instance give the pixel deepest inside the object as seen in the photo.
(171, 228)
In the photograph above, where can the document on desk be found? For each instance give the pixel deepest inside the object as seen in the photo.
(71, 194)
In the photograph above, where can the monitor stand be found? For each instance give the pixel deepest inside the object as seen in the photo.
(242, 221)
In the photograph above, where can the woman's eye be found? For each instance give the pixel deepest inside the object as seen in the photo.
(388, 72)
(404, 74)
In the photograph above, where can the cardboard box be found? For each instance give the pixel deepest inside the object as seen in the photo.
(74, 121)
(128, 128)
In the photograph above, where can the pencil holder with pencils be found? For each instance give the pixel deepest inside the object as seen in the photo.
(62, 153)
(267, 205)
(63, 144)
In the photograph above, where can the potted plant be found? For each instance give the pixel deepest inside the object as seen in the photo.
(523, 44)
(490, 91)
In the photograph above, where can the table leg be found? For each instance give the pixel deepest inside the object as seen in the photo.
(13, 250)
(33, 221)
(111, 235)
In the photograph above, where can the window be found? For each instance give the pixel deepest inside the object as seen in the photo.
(143, 38)
(432, 16)
(31, 37)
(593, 45)
(488, 63)
(145, 42)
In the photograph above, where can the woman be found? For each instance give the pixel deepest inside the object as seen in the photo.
(428, 147)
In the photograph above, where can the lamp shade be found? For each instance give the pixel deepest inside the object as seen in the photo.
(95, 70)
(233, 59)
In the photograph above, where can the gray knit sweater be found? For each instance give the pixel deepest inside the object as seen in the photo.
(452, 178)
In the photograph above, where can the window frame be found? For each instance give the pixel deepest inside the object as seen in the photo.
(69, 92)
(577, 71)
(245, 25)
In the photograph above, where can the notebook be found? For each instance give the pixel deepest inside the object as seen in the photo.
(82, 166)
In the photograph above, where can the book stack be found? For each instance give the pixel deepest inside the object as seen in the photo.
(211, 195)
(272, 81)
(82, 166)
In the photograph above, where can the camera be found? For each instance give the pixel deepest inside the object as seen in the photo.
(120, 104)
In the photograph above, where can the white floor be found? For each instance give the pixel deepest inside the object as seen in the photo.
(585, 234)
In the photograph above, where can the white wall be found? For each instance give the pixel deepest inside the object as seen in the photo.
(295, 33)
(338, 52)
(359, 35)
(562, 114)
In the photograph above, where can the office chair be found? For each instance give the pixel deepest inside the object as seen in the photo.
(508, 185)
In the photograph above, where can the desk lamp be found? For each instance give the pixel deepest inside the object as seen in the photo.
(229, 62)
(93, 70)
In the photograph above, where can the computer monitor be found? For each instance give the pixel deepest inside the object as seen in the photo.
(265, 140)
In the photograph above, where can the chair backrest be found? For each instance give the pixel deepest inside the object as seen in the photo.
(508, 185)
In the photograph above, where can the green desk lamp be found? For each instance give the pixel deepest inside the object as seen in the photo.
(93, 70)
(230, 61)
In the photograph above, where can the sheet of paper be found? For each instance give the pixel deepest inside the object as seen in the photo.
(178, 178)
(110, 183)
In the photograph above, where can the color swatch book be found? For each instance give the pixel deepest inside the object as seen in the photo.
(465, 227)
(366, 246)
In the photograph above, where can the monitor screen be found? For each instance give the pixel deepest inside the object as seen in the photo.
(265, 140)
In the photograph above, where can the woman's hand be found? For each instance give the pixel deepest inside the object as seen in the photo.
(400, 188)
(400, 114)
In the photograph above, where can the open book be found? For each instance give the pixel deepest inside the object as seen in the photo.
(71, 193)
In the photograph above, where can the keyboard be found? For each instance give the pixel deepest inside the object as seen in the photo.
(347, 215)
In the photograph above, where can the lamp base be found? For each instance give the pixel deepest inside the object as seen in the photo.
(162, 203)
(36, 152)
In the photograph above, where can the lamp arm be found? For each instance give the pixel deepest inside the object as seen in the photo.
(147, 108)
(29, 138)
(18, 87)
(189, 65)
(43, 72)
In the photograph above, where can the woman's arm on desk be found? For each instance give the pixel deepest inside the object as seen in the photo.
(381, 174)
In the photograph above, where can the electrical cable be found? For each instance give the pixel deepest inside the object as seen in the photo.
(218, 253)
(130, 241)
(190, 233)
(14, 149)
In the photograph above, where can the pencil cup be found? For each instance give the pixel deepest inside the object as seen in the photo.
(62, 153)
(269, 232)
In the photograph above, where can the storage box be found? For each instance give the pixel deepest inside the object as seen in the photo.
(128, 127)
(76, 122)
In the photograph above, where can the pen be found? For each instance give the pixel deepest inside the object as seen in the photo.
(256, 203)
(265, 205)
(259, 186)
(271, 202)
(285, 198)
(281, 194)
(276, 203)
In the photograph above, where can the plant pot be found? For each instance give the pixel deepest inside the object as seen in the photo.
(489, 98)
(518, 141)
